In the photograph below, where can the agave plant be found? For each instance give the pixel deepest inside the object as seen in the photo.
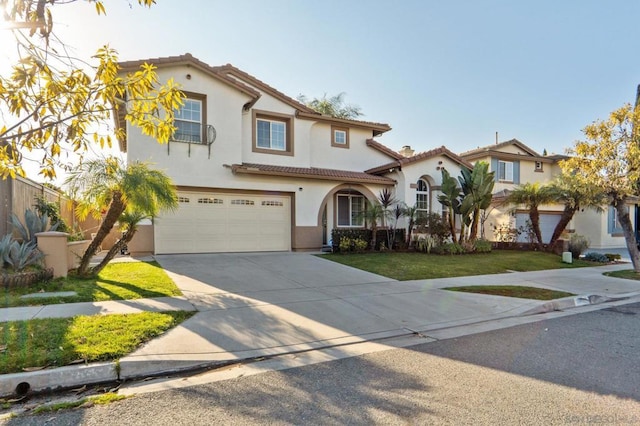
(5, 246)
(33, 224)
(22, 254)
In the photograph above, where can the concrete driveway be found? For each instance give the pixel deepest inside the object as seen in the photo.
(261, 304)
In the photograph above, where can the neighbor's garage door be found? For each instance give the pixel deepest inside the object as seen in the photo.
(548, 222)
(209, 223)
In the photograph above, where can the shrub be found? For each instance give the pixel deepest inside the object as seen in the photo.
(385, 236)
(338, 234)
(482, 246)
(452, 248)
(578, 244)
(505, 234)
(434, 225)
(596, 257)
(360, 244)
(613, 256)
(426, 244)
(352, 244)
(52, 211)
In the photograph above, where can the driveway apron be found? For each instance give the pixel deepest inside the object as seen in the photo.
(261, 304)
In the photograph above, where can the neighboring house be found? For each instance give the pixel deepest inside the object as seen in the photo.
(258, 171)
(514, 163)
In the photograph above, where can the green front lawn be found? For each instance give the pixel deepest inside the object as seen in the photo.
(55, 342)
(628, 274)
(117, 281)
(521, 292)
(417, 266)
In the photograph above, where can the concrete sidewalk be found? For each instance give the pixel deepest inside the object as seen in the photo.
(259, 305)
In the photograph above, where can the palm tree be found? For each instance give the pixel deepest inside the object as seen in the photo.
(135, 189)
(333, 106)
(532, 196)
(411, 214)
(477, 187)
(373, 214)
(575, 196)
(450, 198)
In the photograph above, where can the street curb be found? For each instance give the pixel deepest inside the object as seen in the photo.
(571, 302)
(57, 378)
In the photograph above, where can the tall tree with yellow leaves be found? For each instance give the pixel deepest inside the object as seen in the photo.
(53, 103)
(609, 159)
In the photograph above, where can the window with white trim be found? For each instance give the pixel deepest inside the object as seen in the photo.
(422, 197)
(189, 121)
(350, 210)
(505, 171)
(340, 137)
(271, 134)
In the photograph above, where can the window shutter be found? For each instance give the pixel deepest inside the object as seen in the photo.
(516, 172)
(494, 168)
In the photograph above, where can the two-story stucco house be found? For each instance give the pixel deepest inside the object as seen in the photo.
(257, 170)
(514, 163)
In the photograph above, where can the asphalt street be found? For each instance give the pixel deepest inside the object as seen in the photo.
(578, 369)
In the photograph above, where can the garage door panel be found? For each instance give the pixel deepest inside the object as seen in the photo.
(225, 222)
(548, 222)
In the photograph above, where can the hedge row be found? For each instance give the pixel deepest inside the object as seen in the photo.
(382, 236)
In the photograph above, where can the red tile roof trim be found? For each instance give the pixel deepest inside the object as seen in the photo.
(420, 157)
(311, 173)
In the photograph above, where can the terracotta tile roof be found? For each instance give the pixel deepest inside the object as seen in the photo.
(345, 176)
(229, 69)
(189, 59)
(391, 153)
(420, 157)
(243, 81)
(474, 153)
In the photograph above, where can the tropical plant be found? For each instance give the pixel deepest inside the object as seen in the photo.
(372, 215)
(609, 159)
(50, 209)
(5, 247)
(450, 198)
(333, 106)
(107, 184)
(411, 214)
(22, 254)
(532, 196)
(33, 224)
(477, 188)
(53, 103)
(574, 195)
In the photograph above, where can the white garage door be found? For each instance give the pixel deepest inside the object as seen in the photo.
(548, 223)
(210, 223)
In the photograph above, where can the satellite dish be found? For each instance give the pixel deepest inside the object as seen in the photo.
(211, 134)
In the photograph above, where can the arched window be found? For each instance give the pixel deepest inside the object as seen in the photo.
(422, 197)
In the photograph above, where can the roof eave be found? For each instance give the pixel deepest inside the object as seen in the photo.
(377, 128)
(235, 168)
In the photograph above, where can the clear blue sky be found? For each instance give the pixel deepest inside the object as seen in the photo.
(439, 72)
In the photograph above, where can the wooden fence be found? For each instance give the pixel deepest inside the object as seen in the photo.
(19, 194)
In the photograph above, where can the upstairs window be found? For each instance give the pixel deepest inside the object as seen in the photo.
(272, 133)
(190, 119)
(538, 166)
(505, 171)
(339, 137)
